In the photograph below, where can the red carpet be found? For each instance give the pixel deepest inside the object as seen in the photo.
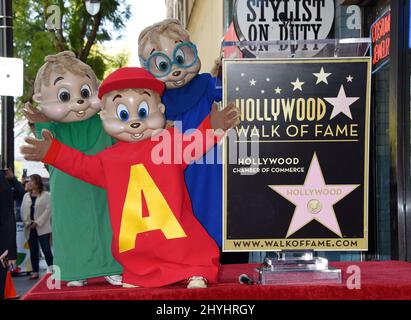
(388, 280)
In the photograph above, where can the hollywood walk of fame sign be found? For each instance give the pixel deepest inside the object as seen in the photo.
(296, 168)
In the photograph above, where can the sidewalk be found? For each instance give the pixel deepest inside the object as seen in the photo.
(23, 284)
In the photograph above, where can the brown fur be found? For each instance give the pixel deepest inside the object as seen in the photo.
(61, 63)
(171, 28)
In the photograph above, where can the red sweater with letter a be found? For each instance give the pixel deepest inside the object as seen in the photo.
(156, 237)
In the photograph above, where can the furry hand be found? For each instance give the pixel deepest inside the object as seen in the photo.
(37, 149)
(225, 119)
(33, 114)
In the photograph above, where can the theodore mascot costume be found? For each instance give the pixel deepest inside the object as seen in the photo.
(66, 92)
(156, 237)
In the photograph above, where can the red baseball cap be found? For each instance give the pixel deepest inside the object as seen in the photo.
(130, 78)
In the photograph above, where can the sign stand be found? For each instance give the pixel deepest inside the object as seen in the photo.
(296, 267)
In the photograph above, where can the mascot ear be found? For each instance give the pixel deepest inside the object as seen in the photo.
(37, 97)
(95, 103)
(102, 114)
(162, 108)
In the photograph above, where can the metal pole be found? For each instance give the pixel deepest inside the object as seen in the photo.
(398, 135)
(7, 103)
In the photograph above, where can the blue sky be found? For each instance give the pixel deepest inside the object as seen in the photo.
(144, 13)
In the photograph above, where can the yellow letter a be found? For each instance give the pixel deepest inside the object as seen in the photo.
(160, 215)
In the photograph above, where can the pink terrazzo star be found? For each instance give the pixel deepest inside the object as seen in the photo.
(314, 200)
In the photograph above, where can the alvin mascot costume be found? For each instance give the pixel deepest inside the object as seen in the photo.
(156, 239)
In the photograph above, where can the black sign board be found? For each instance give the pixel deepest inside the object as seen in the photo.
(296, 168)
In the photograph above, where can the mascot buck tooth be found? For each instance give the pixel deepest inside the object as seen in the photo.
(156, 237)
(66, 92)
(166, 51)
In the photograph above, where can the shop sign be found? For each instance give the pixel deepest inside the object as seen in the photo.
(287, 20)
(381, 41)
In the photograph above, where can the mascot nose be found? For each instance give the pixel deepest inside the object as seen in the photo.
(176, 73)
(135, 125)
(80, 101)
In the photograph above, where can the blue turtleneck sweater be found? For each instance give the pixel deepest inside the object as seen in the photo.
(190, 105)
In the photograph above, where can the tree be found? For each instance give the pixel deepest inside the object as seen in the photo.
(45, 27)
(104, 63)
(118, 61)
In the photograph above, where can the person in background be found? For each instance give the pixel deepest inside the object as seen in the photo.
(16, 187)
(23, 181)
(26, 186)
(36, 215)
(10, 189)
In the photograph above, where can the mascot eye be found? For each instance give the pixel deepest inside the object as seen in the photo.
(63, 95)
(122, 112)
(143, 110)
(162, 64)
(180, 57)
(85, 91)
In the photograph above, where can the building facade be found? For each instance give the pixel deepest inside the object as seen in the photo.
(204, 20)
(390, 157)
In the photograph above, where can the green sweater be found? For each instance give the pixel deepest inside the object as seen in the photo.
(80, 221)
